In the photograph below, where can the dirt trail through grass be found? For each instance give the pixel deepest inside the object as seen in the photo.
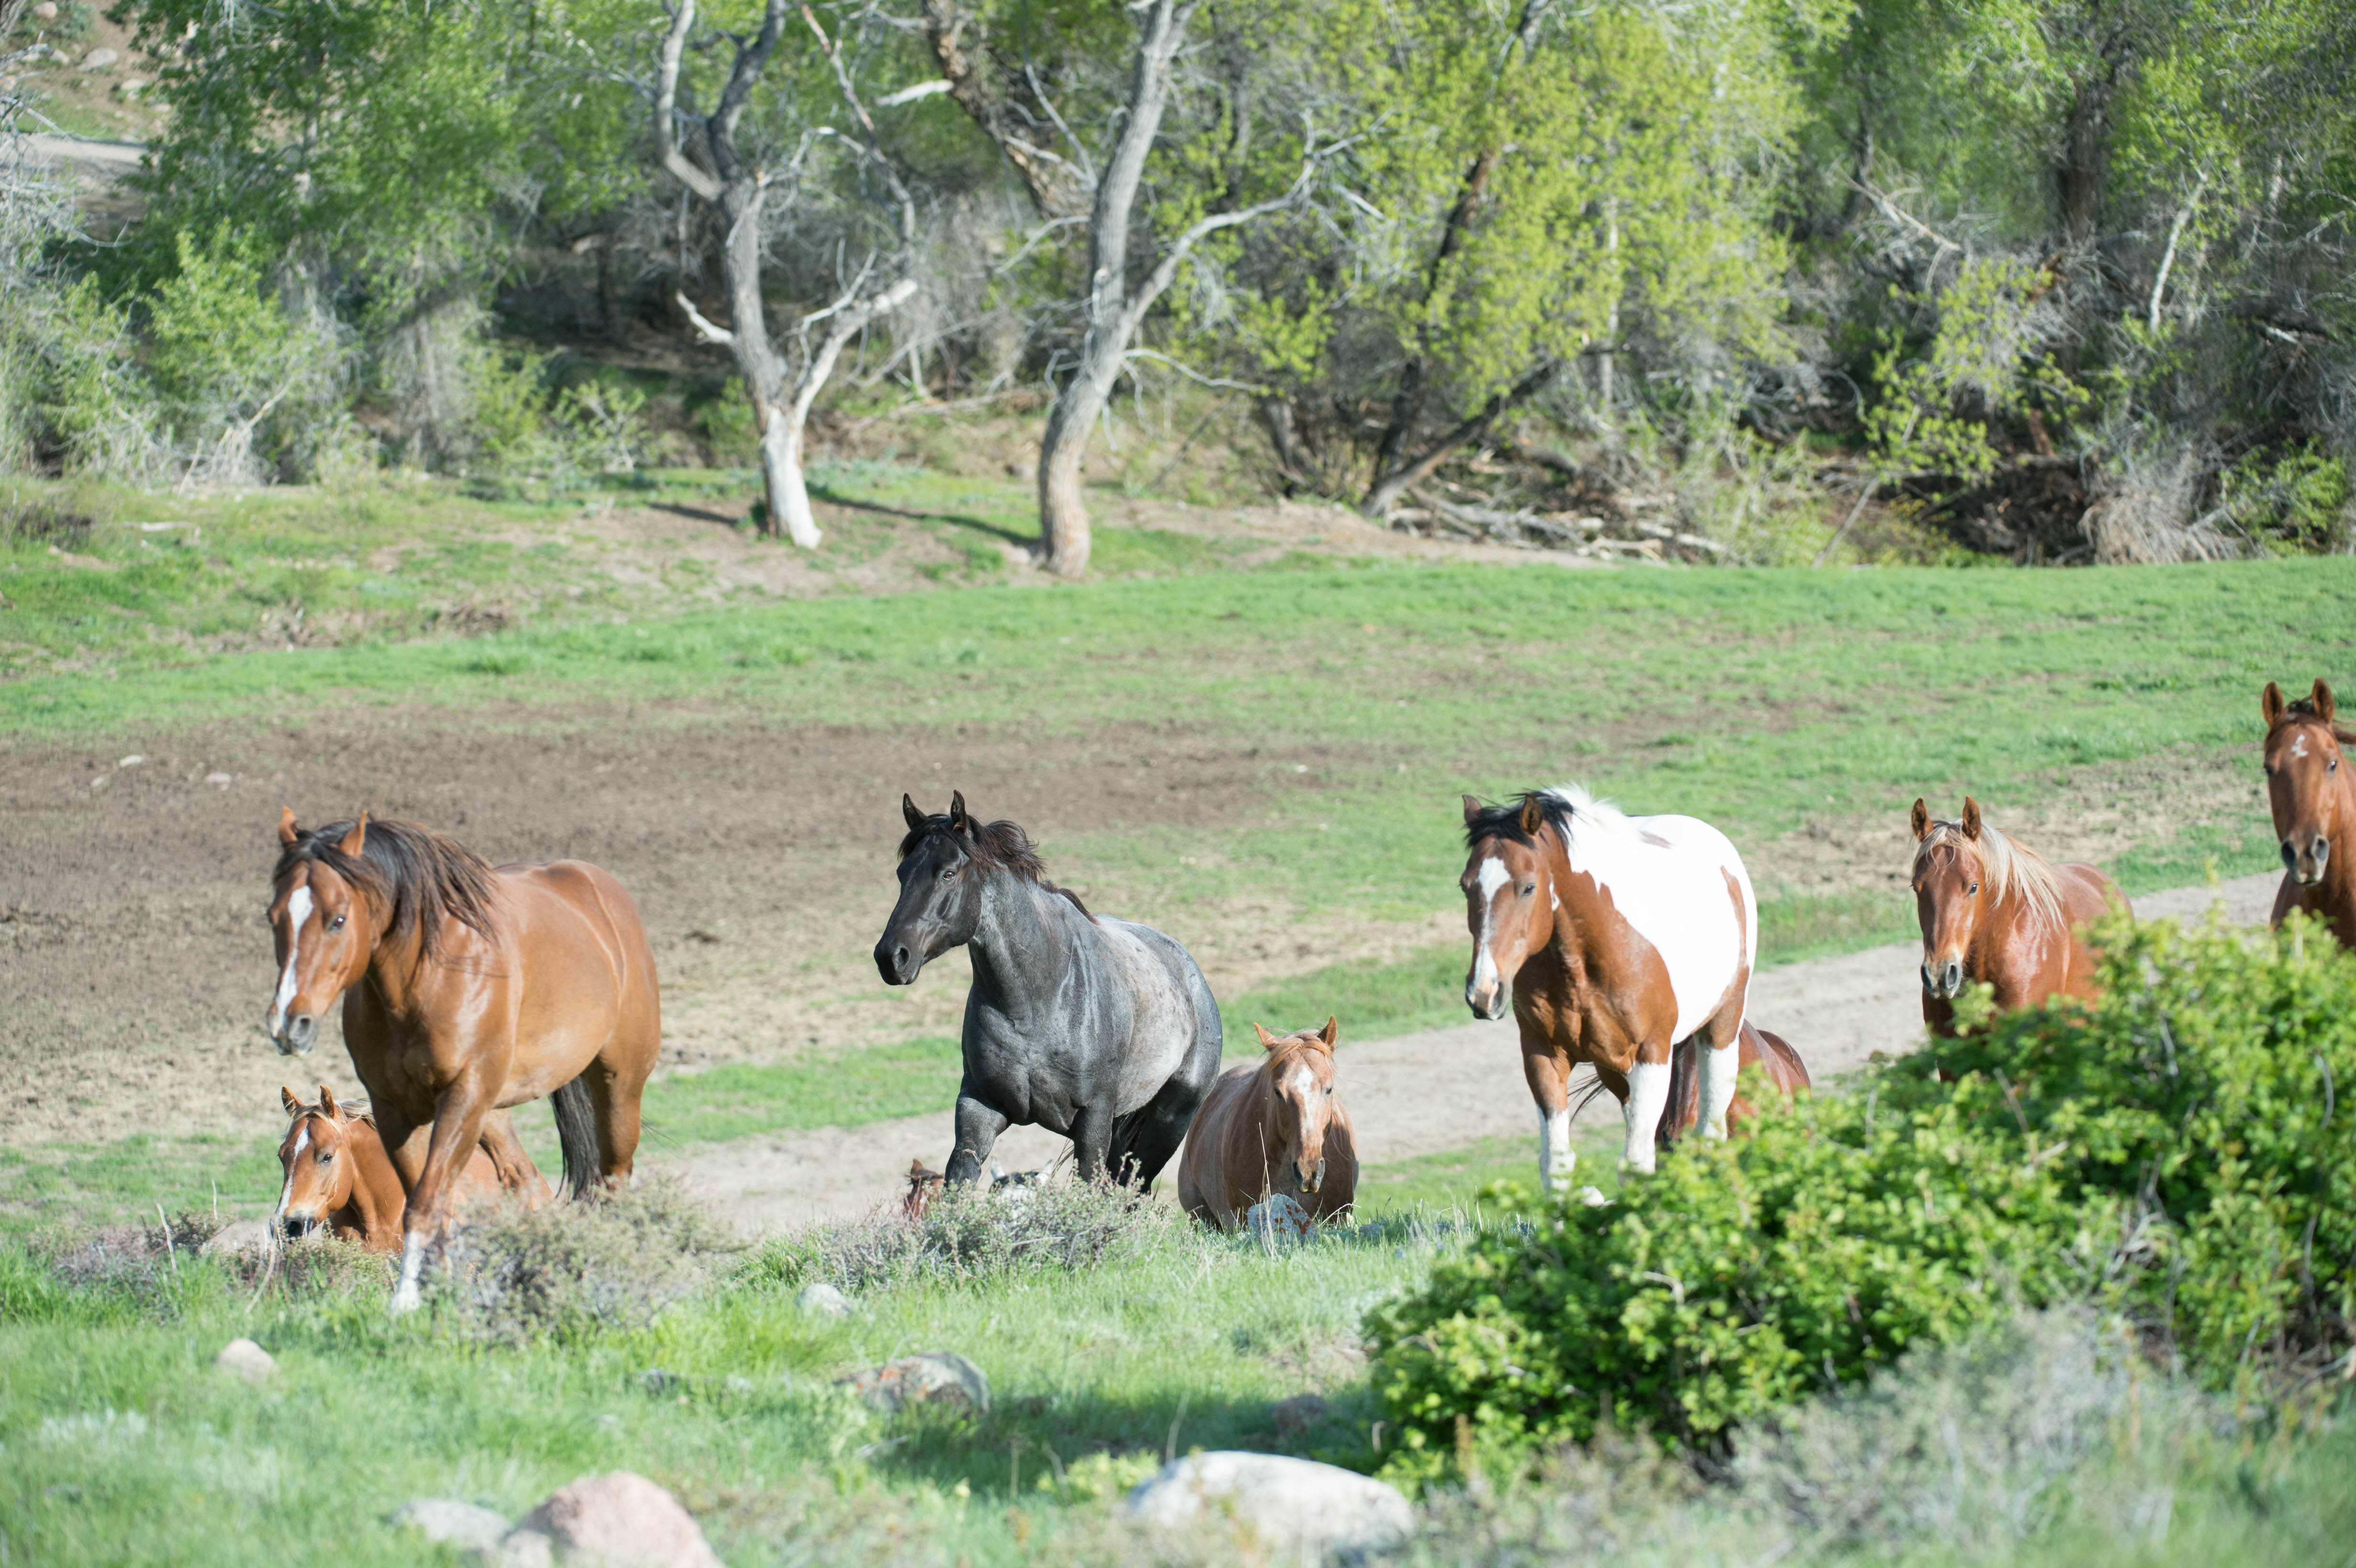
(1415, 1095)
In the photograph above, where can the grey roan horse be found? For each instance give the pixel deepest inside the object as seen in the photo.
(1093, 1028)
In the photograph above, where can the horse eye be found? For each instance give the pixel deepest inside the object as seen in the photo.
(1528, 888)
(336, 924)
(325, 1155)
(1972, 891)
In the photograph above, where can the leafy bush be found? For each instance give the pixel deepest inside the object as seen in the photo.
(2174, 1151)
(964, 1235)
(566, 1271)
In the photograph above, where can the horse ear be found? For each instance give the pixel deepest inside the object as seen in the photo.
(286, 1098)
(327, 1103)
(1332, 1032)
(1971, 818)
(2322, 699)
(957, 817)
(357, 839)
(2270, 704)
(1922, 820)
(1267, 1040)
(287, 831)
(1533, 815)
(1472, 811)
(908, 809)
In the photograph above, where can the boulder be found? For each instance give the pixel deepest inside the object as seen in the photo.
(452, 1521)
(1277, 1218)
(621, 1520)
(244, 1358)
(935, 1377)
(99, 59)
(47, 11)
(244, 1239)
(1296, 1506)
(822, 1300)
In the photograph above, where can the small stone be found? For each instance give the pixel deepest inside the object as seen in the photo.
(244, 1358)
(822, 1300)
(935, 1377)
(1277, 1218)
(132, 86)
(620, 1520)
(99, 59)
(452, 1521)
(133, 760)
(47, 11)
(243, 1239)
(1295, 1504)
(219, 780)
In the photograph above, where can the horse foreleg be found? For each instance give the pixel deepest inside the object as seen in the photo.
(457, 1128)
(977, 1127)
(1648, 1097)
(1550, 1079)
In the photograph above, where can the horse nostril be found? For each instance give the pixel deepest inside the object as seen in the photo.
(2290, 856)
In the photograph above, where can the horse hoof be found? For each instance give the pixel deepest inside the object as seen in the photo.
(1592, 1198)
(404, 1301)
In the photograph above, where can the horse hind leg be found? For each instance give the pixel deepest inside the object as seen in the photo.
(1143, 1141)
(1648, 1099)
(1720, 1066)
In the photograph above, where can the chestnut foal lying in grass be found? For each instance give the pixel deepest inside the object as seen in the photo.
(339, 1175)
(1276, 1126)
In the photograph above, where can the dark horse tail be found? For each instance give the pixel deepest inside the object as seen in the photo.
(576, 1130)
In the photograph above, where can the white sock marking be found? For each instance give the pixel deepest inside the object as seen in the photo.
(1554, 1160)
(1718, 1068)
(1648, 1096)
(298, 910)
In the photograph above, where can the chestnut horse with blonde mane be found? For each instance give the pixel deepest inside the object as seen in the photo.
(1614, 939)
(1270, 1127)
(339, 1175)
(1997, 912)
(465, 991)
(2313, 799)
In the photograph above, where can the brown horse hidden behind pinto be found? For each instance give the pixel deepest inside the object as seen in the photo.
(1277, 1126)
(1995, 912)
(484, 989)
(339, 1175)
(2314, 802)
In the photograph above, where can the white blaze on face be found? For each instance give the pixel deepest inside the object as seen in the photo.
(1494, 875)
(298, 912)
(1648, 1097)
(2298, 745)
(287, 1193)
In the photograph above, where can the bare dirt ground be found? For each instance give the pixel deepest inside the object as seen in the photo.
(1416, 1094)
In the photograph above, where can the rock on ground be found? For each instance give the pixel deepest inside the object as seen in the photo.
(620, 1520)
(935, 1377)
(1277, 1218)
(452, 1521)
(1293, 1504)
(246, 1238)
(822, 1300)
(244, 1358)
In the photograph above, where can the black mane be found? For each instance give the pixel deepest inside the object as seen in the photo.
(421, 876)
(995, 847)
(1505, 820)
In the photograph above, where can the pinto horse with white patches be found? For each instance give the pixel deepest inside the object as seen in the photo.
(466, 990)
(2313, 799)
(1996, 911)
(1614, 939)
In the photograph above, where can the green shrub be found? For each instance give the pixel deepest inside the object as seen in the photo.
(2174, 1151)
(571, 1270)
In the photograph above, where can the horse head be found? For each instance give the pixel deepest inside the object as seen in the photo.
(325, 924)
(1509, 898)
(1299, 1073)
(2302, 753)
(1949, 877)
(940, 891)
(318, 1166)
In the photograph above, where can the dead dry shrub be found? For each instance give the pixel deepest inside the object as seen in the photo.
(1058, 1227)
(612, 1261)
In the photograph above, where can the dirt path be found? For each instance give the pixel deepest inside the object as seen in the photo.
(1418, 1094)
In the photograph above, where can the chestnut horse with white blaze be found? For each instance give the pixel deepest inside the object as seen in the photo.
(1614, 939)
(337, 1175)
(2313, 799)
(1274, 1125)
(466, 990)
(1995, 912)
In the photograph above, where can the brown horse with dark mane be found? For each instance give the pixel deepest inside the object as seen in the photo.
(1273, 1125)
(339, 1175)
(2314, 802)
(466, 990)
(1997, 912)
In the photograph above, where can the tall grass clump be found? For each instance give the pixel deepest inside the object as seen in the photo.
(2174, 1154)
(611, 1261)
(964, 1235)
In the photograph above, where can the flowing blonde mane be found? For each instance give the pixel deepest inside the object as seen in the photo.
(2009, 870)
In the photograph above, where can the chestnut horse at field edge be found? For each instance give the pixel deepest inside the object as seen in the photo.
(1997, 912)
(1614, 939)
(466, 990)
(2313, 799)
(1270, 1127)
(339, 1175)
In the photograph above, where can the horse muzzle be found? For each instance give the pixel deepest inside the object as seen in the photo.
(1490, 1002)
(297, 1035)
(1312, 1177)
(898, 962)
(1942, 981)
(2306, 863)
